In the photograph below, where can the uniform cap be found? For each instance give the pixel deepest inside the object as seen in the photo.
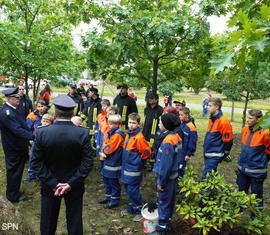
(152, 95)
(72, 85)
(64, 102)
(11, 92)
(124, 86)
(93, 89)
(183, 102)
(170, 121)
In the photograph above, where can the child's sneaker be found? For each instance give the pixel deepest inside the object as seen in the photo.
(137, 218)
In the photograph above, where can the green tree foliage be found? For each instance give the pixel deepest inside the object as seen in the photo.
(241, 60)
(36, 41)
(153, 42)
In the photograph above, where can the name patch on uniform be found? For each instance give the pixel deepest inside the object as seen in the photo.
(7, 112)
(167, 151)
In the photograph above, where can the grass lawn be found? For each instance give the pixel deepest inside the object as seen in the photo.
(98, 220)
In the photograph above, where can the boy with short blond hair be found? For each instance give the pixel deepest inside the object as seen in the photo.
(111, 171)
(136, 151)
(47, 119)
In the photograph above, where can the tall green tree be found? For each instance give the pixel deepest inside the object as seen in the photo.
(242, 56)
(146, 40)
(36, 41)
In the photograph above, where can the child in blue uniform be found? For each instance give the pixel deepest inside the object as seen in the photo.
(166, 169)
(111, 171)
(189, 140)
(136, 151)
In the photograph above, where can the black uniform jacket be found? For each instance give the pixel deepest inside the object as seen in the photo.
(129, 103)
(79, 103)
(25, 106)
(14, 131)
(150, 114)
(62, 154)
(88, 111)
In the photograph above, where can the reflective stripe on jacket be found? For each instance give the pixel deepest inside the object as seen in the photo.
(255, 153)
(113, 148)
(136, 150)
(219, 137)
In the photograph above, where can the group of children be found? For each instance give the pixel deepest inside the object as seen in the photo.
(123, 157)
(123, 153)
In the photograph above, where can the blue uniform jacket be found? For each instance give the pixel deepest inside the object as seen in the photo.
(190, 139)
(14, 131)
(219, 137)
(33, 124)
(255, 154)
(136, 151)
(113, 148)
(166, 166)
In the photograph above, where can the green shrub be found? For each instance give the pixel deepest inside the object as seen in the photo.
(212, 203)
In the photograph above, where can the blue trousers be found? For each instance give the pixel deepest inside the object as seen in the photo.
(134, 198)
(112, 189)
(166, 202)
(245, 182)
(209, 165)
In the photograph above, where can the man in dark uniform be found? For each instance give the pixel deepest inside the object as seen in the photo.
(152, 112)
(15, 141)
(62, 160)
(76, 98)
(25, 105)
(125, 104)
(92, 109)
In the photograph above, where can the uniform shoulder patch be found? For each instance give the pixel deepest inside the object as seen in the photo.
(7, 111)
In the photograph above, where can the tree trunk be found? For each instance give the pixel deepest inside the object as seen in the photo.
(36, 85)
(26, 80)
(245, 109)
(232, 113)
(155, 74)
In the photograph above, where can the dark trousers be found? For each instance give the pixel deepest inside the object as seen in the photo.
(50, 210)
(245, 182)
(166, 201)
(32, 174)
(14, 171)
(134, 198)
(112, 190)
(210, 164)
